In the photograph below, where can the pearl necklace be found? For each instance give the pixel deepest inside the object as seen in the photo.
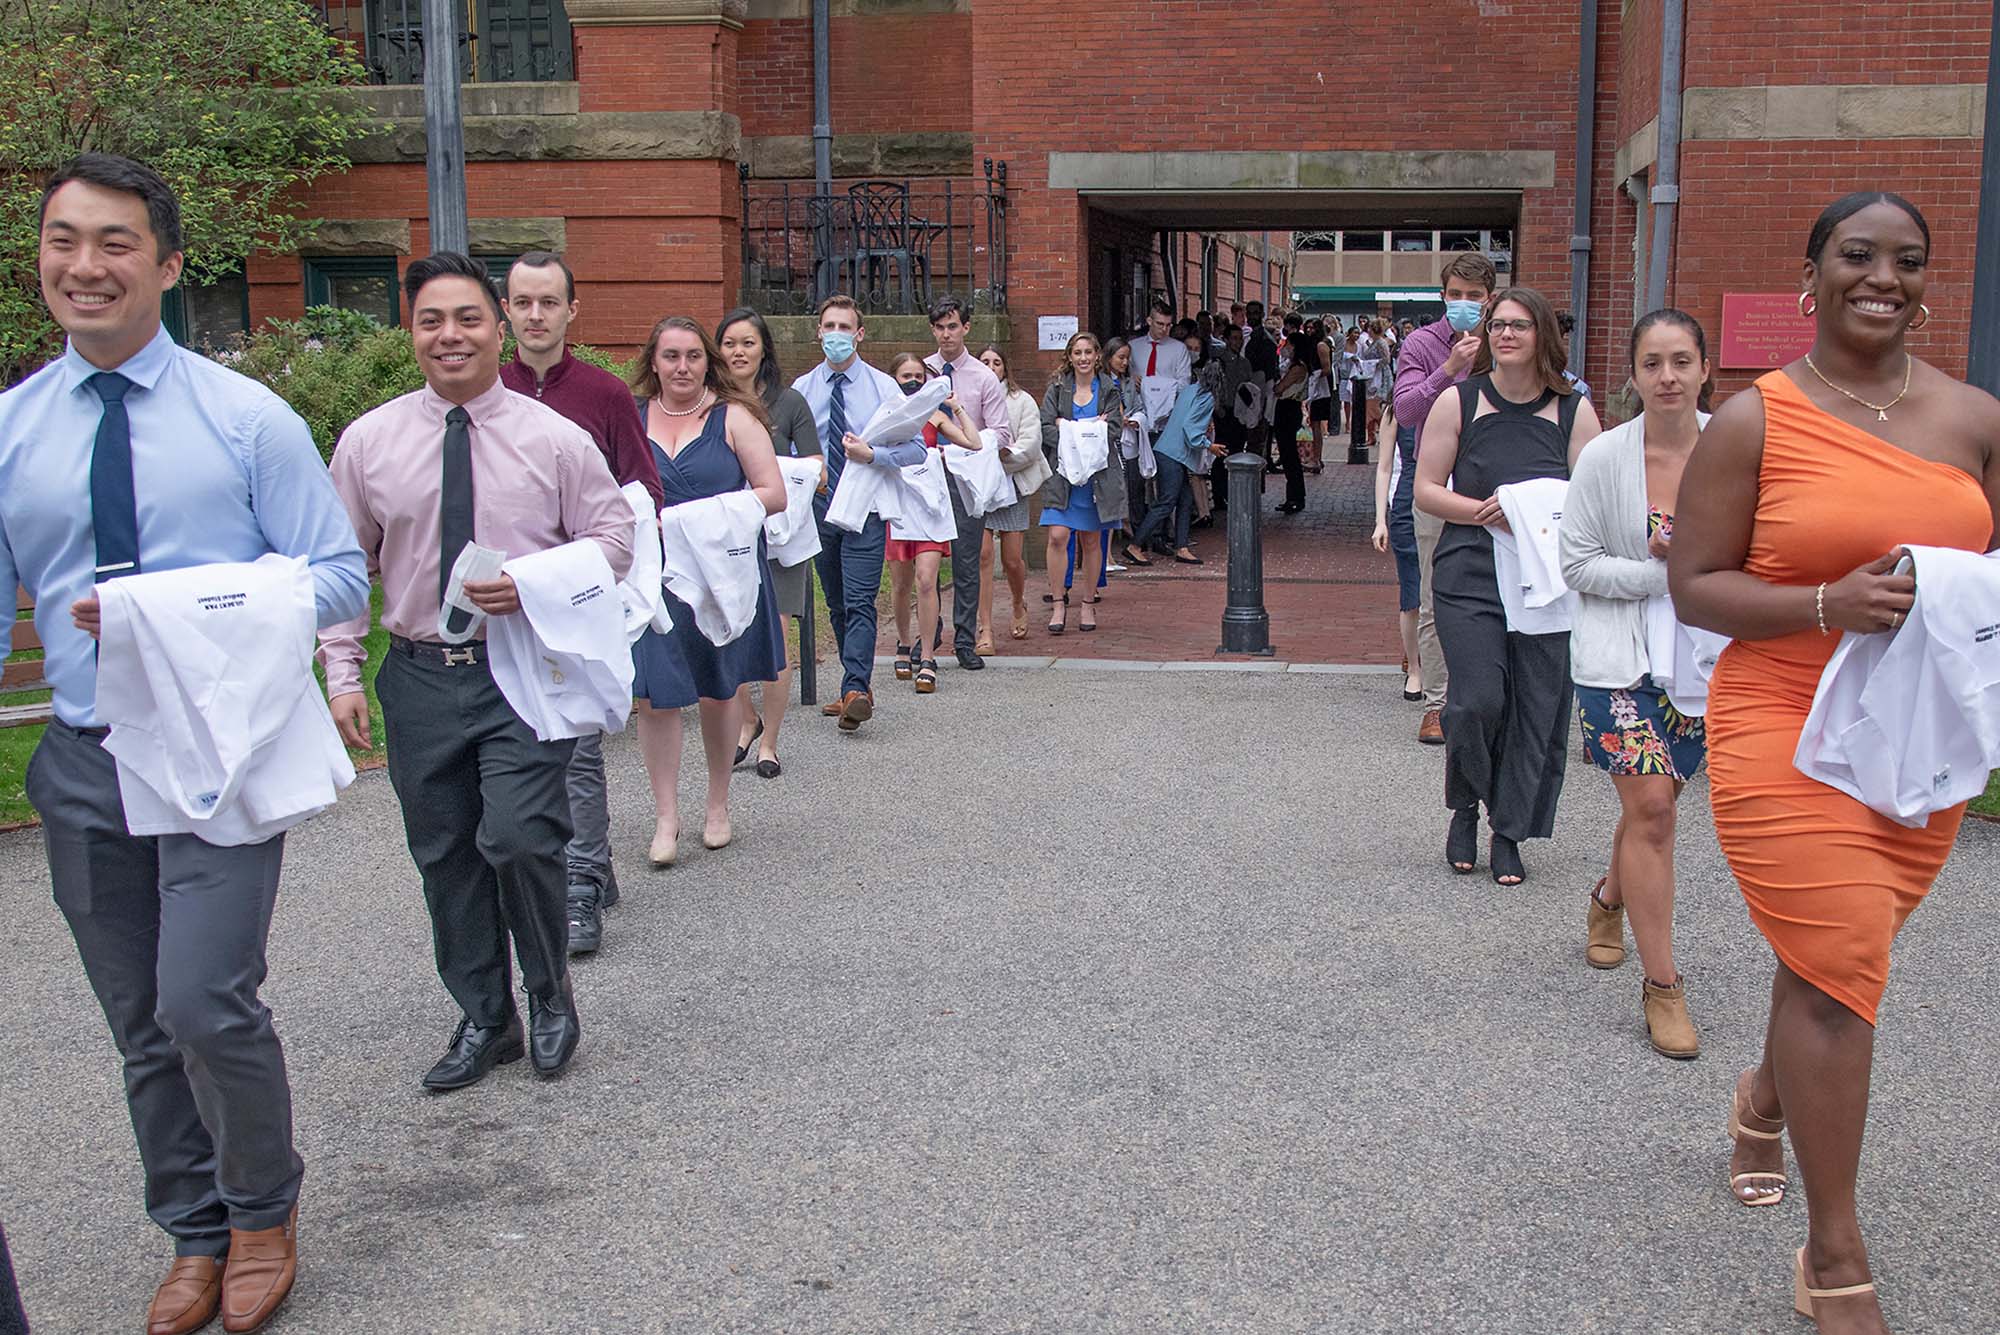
(705, 400)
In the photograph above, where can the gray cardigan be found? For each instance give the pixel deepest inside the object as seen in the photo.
(1605, 559)
(1059, 403)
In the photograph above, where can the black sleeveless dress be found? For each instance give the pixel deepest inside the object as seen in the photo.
(1507, 702)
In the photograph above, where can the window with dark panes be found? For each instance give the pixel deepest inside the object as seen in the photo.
(364, 283)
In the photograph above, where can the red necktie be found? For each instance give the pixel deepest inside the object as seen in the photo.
(1153, 358)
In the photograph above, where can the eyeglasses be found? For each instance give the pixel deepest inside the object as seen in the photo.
(1516, 326)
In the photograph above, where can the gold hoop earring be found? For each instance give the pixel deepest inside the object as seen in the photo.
(1807, 305)
(1923, 317)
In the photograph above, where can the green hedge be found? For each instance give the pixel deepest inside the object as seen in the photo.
(334, 365)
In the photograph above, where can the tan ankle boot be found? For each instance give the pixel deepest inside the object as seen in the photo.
(1667, 1022)
(1606, 948)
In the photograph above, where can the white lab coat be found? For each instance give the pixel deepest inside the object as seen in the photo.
(713, 562)
(1680, 658)
(204, 676)
(1908, 723)
(792, 535)
(1525, 563)
(923, 512)
(864, 490)
(639, 591)
(1083, 449)
(563, 661)
(979, 475)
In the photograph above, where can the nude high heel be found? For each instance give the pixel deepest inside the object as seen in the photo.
(1805, 1296)
(665, 848)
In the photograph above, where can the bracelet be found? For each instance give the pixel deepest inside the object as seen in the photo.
(1819, 607)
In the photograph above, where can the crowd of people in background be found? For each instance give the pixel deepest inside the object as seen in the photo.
(1541, 562)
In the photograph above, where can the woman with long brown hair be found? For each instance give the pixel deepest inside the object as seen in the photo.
(1506, 718)
(709, 437)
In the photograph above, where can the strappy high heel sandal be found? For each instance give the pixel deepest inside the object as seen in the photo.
(927, 677)
(1090, 625)
(903, 664)
(1059, 622)
(1806, 1298)
(1754, 1189)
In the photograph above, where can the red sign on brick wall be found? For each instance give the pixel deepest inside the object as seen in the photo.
(1762, 330)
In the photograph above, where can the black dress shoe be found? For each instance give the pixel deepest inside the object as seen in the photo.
(586, 922)
(553, 1031)
(475, 1050)
(970, 661)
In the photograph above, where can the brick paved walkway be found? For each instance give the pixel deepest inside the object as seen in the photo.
(1331, 597)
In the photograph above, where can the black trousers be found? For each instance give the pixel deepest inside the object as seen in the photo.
(13, 1321)
(1506, 712)
(1291, 415)
(486, 812)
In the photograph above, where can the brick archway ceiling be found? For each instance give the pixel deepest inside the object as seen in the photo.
(1288, 210)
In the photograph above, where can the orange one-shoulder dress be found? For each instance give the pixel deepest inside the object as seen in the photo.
(1829, 882)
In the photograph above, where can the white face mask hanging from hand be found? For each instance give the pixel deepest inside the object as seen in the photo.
(475, 565)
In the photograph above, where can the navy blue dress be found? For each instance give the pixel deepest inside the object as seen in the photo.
(673, 671)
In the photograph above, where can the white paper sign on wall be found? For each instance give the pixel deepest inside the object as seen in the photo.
(1054, 332)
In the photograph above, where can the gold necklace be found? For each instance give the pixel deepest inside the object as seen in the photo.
(1881, 409)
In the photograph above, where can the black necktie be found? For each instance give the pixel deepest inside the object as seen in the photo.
(455, 506)
(114, 511)
(836, 427)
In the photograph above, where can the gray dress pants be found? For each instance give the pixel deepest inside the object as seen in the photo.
(172, 933)
(967, 583)
(486, 813)
(589, 851)
(1430, 654)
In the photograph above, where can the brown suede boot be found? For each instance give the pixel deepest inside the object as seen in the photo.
(1667, 1022)
(1606, 945)
(258, 1277)
(189, 1297)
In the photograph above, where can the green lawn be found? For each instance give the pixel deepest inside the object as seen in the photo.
(1989, 805)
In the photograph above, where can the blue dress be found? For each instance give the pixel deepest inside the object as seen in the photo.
(673, 671)
(1081, 512)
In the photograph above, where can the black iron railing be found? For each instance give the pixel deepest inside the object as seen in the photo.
(894, 244)
(498, 40)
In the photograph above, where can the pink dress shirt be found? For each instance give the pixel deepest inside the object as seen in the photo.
(980, 392)
(538, 481)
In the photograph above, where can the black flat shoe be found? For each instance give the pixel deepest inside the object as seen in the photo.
(1461, 842)
(474, 1051)
(743, 751)
(769, 769)
(1506, 860)
(1413, 695)
(553, 1031)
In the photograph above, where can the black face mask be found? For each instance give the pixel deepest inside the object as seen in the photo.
(910, 387)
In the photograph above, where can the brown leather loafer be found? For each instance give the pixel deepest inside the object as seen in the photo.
(262, 1265)
(189, 1296)
(856, 708)
(1431, 731)
(831, 709)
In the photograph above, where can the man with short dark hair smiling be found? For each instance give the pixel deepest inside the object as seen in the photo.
(130, 454)
(484, 801)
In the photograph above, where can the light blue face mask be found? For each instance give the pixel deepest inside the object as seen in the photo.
(837, 345)
(1463, 315)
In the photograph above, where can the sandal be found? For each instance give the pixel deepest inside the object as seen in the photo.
(984, 645)
(1019, 630)
(903, 655)
(1056, 626)
(1805, 1297)
(1754, 1189)
(1505, 857)
(927, 677)
(1461, 842)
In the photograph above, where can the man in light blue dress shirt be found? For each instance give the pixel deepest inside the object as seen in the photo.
(843, 392)
(130, 453)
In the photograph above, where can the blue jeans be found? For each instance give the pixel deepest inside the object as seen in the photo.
(1402, 524)
(850, 570)
(1170, 505)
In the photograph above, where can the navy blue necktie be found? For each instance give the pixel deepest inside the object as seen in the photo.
(836, 427)
(455, 506)
(114, 510)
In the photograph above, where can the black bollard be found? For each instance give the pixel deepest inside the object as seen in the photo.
(808, 647)
(1246, 626)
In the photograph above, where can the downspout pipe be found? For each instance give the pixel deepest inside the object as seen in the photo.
(822, 99)
(1586, 147)
(1983, 360)
(1666, 192)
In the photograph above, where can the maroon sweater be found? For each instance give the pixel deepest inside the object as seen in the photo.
(601, 404)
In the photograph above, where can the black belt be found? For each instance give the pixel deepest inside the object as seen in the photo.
(470, 654)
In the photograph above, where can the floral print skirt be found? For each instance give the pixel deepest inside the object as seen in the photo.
(1638, 731)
